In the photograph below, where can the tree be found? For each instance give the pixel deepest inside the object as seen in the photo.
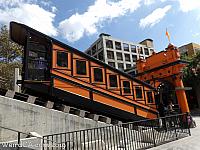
(10, 58)
(192, 71)
(9, 51)
(192, 75)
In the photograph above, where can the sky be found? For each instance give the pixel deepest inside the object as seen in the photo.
(78, 23)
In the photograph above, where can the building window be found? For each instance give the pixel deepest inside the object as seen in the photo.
(138, 91)
(120, 66)
(119, 56)
(81, 67)
(89, 52)
(113, 80)
(133, 49)
(118, 46)
(99, 45)
(149, 97)
(110, 54)
(151, 51)
(146, 51)
(98, 75)
(140, 50)
(100, 55)
(109, 44)
(127, 57)
(126, 87)
(111, 64)
(126, 47)
(128, 66)
(94, 49)
(62, 59)
(134, 57)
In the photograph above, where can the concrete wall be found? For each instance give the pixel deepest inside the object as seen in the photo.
(27, 118)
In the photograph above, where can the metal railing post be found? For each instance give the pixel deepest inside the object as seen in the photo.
(124, 137)
(130, 135)
(188, 126)
(154, 138)
(18, 140)
(175, 126)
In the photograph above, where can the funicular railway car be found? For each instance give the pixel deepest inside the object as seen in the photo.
(69, 76)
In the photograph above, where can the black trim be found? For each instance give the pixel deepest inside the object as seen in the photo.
(90, 78)
(72, 65)
(74, 100)
(96, 107)
(120, 85)
(81, 76)
(112, 90)
(144, 93)
(162, 67)
(135, 110)
(102, 93)
(105, 74)
(88, 57)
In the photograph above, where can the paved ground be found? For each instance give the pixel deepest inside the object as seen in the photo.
(189, 143)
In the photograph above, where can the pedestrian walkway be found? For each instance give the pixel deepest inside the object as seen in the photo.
(188, 143)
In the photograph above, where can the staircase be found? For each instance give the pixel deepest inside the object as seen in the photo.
(136, 135)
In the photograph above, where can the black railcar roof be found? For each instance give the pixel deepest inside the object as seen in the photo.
(18, 33)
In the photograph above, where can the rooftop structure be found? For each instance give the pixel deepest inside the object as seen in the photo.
(189, 49)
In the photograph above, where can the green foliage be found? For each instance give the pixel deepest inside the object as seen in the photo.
(192, 71)
(9, 51)
(7, 71)
(10, 58)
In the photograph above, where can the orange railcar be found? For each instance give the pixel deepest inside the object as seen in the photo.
(68, 76)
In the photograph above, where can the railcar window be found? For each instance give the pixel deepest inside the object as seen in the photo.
(81, 67)
(113, 80)
(126, 85)
(62, 59)
(138, 91)
(37, 61)
(149, 97)
(98, 75)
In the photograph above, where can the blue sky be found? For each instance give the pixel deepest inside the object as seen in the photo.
(79, 22)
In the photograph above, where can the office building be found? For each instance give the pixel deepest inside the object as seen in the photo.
(189, 49)
(118, 53)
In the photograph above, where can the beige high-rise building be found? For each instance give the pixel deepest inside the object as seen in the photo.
(118, 53)
(189, 49)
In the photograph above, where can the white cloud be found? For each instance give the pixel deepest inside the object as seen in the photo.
(188, 5)
(149, 2)
(155, 17)
(27, 13)
(76, 26)
(196, 35)
(53, 9)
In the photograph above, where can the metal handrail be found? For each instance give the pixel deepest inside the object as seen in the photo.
(156, 130)
(27, 134)
(121, 124)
